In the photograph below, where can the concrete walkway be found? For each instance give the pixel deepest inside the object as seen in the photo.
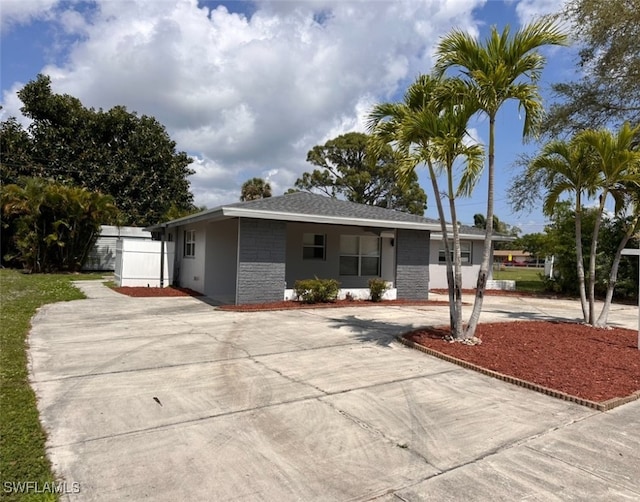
(171, 399)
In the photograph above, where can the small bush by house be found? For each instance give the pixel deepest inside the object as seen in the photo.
(316, 290)
(377, 288)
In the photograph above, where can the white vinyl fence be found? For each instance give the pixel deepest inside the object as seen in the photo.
(138, 263)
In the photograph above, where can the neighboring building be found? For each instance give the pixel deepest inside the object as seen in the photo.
(513, 257)
(102, 256)
(471, 248)
(253, 252)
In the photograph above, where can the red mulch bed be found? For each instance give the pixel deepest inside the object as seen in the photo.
(589, 363)
(142, 292)
(291, 305)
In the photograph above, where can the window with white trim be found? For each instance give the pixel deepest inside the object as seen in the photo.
(189, 243)
(314, 246)
(465, 252)
(360, 255)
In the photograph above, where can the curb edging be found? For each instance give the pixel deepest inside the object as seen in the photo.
(600, 406)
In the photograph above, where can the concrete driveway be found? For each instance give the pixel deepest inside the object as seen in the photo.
(171, 399)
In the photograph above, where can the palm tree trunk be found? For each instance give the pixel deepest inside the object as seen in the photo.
(455, 315)
(457, 260)
(483, 273)
(580, 259)
(592, 260)
(613, 275)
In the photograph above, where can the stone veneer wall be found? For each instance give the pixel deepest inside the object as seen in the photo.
(412, 264)
(261, 261)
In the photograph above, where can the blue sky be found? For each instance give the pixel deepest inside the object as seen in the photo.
(247, 88)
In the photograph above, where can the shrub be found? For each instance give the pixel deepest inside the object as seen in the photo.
(49, 226)
(377, 288)
(316, 290)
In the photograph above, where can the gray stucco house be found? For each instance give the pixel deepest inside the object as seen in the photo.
(253, 252)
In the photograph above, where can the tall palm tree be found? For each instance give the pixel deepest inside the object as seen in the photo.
(387, 122)
(429, 128)
(505, 67)
(255, 188)
(617, 161)
(566, 167)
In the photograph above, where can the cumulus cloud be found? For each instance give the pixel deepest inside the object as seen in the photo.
(14, 12)
(530, 10)
(249, 94)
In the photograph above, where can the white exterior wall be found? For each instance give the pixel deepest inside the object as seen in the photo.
(190, 271)
(138, 263)
(222, 261)
(438, 271)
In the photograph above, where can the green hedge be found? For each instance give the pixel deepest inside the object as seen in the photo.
(316, 290)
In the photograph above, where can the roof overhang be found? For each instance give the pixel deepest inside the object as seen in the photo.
(223, 213)
(437, 236)
(238, 212)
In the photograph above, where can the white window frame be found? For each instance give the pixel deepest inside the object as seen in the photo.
(359, 255)
(466, 252)
(314, 246)
(189, 243)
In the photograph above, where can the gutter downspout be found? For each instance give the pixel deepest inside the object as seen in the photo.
(164, 229)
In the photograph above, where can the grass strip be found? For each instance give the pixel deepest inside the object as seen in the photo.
(25, 471)
(527, 279)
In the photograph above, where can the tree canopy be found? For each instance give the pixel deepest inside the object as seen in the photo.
(503, 67)
(255, 188)
(49, 226)
(115, 152)
(430, 126)
(350, 167)
(607, 91)
(597, 164)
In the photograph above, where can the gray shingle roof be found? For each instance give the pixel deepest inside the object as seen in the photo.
(307, 207)
(304, 206)
(320, 205)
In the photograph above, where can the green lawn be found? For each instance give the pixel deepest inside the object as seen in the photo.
(22, 439)
(527, 279)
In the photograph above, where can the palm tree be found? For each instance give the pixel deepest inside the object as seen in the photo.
(53, 226)
(633, 226)
(566, 168)
(255, 188)
(428, 128)
(491, 74)
(617, 162)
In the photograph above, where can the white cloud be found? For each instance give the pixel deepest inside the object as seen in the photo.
(14, 12)
(249, 96)
(530, 10)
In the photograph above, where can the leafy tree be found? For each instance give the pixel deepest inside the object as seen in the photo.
(608, 90)
(432, 128)
(115, 152)
(502, 68)
(350, 168)
(537, 244)
(255, 188)
(50, 226)
(499, 226)
(15, 151)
